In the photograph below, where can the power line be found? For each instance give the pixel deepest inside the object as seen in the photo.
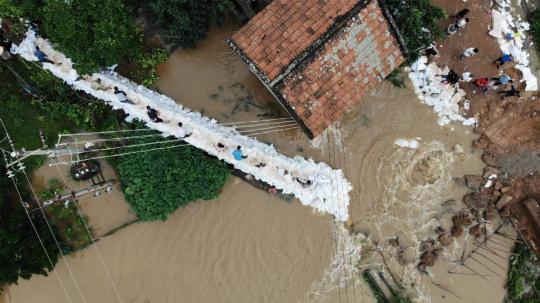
(341, 154)
(22, 169)
(125, 154)
(115, 288)
(54, 237)
(273, 131)
(128, 146)
(38, 236)
(336, 235)
(243, 122)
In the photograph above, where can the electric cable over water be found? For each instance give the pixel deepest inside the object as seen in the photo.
(98, 252)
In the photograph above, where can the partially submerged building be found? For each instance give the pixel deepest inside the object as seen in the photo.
(319, 57)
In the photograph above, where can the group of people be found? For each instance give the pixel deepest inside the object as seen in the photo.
(482, 84)
(238, 155)
(460, 21)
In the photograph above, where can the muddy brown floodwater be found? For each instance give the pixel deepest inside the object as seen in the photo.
(250, 246)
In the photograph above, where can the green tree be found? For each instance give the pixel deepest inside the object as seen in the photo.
(156, 183)
(93, 34)
(418, 22)
(187, 21)
(21, 254)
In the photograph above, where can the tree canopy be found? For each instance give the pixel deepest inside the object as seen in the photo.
(418, 22)
(97, 33)
(21, 254)
(156, 183)
(187, 21)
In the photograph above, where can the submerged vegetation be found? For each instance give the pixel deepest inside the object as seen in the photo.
(65, 216)
(418, 22)
(159, 182)
(523, 282)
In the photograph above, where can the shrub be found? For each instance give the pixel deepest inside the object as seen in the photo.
(418, 23)
(534, 20)
(93, 34)
(21, 254)
(187, 21)
(156, 183)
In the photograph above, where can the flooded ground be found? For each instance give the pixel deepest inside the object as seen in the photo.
(246, 246)
(249, 246)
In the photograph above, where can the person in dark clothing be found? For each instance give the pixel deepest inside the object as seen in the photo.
(462, 13)
(431, 52)
(452, 77)
(513, 92)
(304, 182)
(122, 96)
(153, 114)
(41, 56)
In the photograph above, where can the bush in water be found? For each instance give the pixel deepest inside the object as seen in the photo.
(156, 183)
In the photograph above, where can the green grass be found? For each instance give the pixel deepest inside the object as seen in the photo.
(523, 281)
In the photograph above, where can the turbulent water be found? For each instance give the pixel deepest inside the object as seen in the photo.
(250, 246)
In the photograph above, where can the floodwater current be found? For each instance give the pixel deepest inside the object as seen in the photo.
(250, 246)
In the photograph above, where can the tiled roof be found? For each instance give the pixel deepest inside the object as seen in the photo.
(285, 28)
(344, 70)
(319, 74)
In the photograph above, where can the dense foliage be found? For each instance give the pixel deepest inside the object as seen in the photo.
(418, 22)
(97, 33)
(156, 183)
(523, 282)
(187, 21)
(534, 20)
(21, 254)
(66, 217)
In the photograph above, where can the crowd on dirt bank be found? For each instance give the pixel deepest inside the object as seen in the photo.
(502, 83)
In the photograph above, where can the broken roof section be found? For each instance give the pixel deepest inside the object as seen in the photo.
(318, 57)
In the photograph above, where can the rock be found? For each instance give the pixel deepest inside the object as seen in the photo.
(476, 200)
(498, 185)
(426, 245)
(496, 193)
(440, 230)
(393, 242)
(445, 239)
(428, 258)
(490, 213)
(489, 170)
(475, 231)
(422, 267)
(473, 181)
(504, 200)
(490, 160)
(459, 181)
(505, 189)
(456, 231)
(481, 143)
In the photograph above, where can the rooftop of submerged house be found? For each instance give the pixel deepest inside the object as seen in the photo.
(319, 57)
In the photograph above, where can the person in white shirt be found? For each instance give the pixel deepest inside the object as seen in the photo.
(183, 132)
(467, 77)
(469, 52)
